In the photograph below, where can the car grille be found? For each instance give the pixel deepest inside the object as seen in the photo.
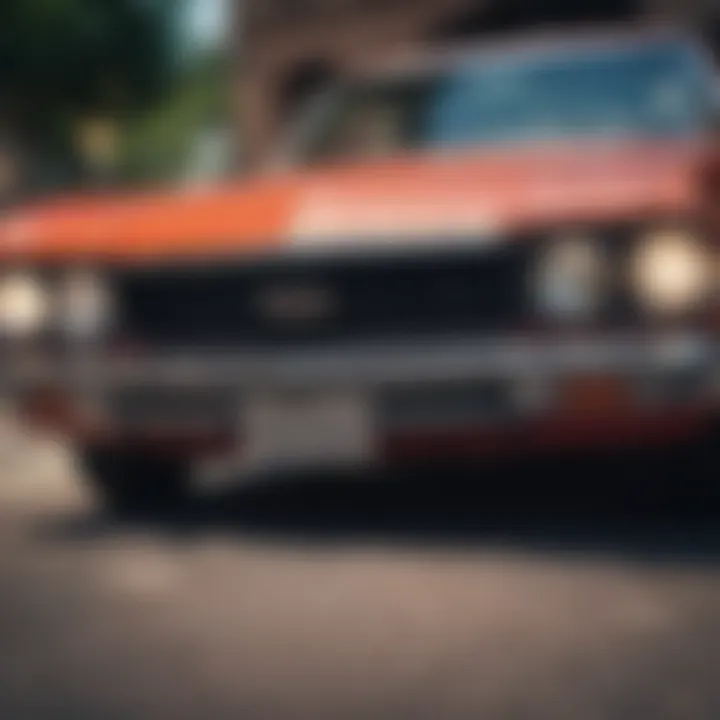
(188, 407)
(311, 301)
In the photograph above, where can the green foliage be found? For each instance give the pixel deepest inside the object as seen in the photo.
(159, 142)
(64, 60)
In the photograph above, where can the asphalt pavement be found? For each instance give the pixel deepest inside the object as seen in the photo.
(424, 597)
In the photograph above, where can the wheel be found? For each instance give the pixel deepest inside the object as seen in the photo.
(135, 482)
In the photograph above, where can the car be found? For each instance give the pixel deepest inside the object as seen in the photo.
(493, 251)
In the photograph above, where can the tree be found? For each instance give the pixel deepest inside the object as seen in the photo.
(62, 61)
(160, 142)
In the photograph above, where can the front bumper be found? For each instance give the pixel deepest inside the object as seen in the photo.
(485, 390)
(372, 365)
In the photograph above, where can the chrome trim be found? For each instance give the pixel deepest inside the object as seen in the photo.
(377, 364)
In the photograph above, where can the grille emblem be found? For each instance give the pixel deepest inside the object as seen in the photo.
(296, 303)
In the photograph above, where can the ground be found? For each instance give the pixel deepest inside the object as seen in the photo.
(356, 600)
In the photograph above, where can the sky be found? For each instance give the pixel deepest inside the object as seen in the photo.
(205, 23)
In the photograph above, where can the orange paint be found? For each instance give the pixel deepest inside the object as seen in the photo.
(528, 187)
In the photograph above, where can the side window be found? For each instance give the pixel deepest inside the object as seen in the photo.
(372, 121)
(715, 103)
(369, 127)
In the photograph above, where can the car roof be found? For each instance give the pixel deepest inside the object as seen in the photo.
(429, 59)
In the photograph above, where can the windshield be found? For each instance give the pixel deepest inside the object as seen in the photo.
(651, 91)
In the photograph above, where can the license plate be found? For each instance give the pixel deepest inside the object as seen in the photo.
(307, 429)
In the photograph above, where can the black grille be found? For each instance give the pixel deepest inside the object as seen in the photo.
(188, 406)
(224, 304)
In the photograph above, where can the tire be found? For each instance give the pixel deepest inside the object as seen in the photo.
(690, 474)
(131, 482)
(703, 469)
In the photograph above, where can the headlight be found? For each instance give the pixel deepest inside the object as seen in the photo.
(24, 305)
(85, 306)
(672, 271)
(569, 280)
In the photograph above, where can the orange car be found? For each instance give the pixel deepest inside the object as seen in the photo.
(497, 250)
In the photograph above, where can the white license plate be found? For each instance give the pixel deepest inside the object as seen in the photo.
(307, 429)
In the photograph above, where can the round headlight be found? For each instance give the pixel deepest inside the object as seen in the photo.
(24, 305)
(85, 305)
(672, 271)
(570, 278)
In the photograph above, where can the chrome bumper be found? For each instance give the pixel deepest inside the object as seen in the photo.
(373, 365)
(414, 385)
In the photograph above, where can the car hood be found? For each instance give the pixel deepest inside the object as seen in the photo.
(476, 197)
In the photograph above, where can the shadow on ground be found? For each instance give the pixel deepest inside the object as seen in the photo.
(641, 507)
